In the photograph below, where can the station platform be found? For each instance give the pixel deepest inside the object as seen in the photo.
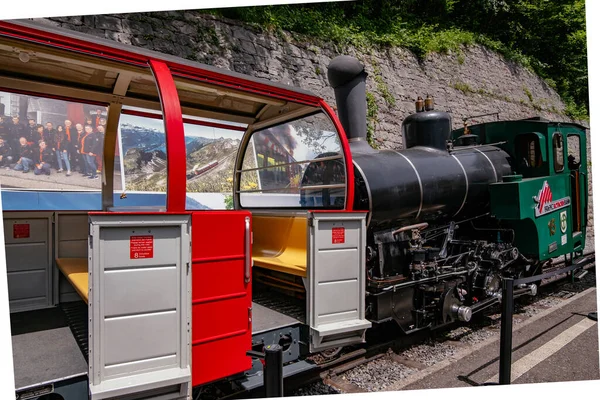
(560, 346)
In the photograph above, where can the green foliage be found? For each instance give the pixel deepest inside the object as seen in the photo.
(372, 111)
(382, 87)
(463, 87)
(528, 94)
(577, 112)
(229, 202)
(208, 34)
(546, 36)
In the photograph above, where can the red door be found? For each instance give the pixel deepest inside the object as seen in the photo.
(221, 294)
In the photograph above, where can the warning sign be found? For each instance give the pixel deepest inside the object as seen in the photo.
(20, 231)
(141, 247)
(338, 235)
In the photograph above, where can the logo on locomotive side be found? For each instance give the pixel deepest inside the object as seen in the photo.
(545, 203)
(563, 221)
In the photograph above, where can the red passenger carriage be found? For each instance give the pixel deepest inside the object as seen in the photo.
(168, 288)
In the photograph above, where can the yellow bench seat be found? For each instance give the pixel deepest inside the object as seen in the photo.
(280, 243)
(297, 266)
(76, 272)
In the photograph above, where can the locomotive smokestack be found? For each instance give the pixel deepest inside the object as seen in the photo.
(347, 77)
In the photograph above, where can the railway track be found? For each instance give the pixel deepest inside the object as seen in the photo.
(376, 366)
(390, 356)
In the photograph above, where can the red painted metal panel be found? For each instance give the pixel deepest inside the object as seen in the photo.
(77, 45)
(347, 154)
(176, 153)
(218, 359)
(221, 296)
(214, 324)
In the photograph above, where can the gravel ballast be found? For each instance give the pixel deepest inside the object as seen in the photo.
(377, 375)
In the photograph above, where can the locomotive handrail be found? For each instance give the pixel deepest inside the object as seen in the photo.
(477, 146)
(420, 226)
(580, 264)
(497, 114)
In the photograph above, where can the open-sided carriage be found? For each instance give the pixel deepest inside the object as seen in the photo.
(147, 293)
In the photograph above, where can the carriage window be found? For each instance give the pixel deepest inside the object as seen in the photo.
(48, 144)
(573, 151)
(144, 152)
(297, 164)
(211, 148)
(559, 156)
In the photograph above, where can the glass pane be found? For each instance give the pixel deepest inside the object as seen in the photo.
(280, 167)
(574, 151)
(50, 144)
(532, 153)
(557, 143)
(528, 151)
(144, 150)
(211, 154)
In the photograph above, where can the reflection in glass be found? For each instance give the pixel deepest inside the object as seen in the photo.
(573, 147)
(211, 154)
(144, 149)
(45, 144)
(297, 164)
(210, 157)
(557, 143)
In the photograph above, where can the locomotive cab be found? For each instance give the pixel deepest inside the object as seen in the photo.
(550, 184)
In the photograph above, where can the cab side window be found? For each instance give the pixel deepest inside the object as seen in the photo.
(573, 151)
(528, 151)
(558, 150)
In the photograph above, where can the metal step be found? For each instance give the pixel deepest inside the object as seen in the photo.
(257, 380)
